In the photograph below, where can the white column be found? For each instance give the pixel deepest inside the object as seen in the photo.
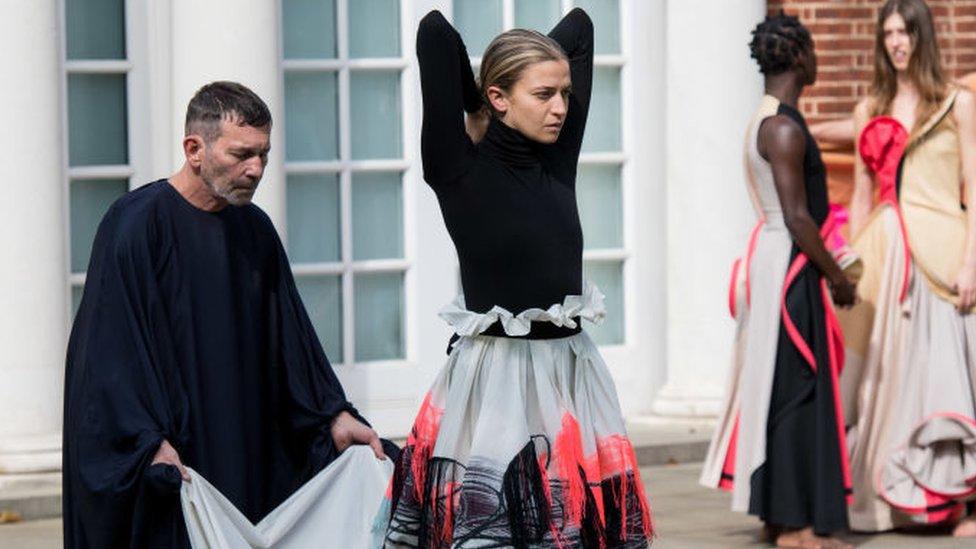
(638, 367)
(712, 88)
(232, 40)
(33, 284)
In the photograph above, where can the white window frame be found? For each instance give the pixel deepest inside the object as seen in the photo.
(347, 267)
(136, 171)
(387, 391)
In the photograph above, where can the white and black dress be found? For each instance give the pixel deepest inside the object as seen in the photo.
(520, 440)
(780, 445)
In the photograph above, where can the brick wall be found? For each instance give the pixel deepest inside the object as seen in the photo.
(844, 34)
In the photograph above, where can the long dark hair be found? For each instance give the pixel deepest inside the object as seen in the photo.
(924, 66)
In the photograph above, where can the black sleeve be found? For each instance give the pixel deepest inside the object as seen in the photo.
(448, 89)
(575, 35)
(123, 394)
(312, 390)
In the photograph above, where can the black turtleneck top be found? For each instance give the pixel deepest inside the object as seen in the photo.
(509, 203)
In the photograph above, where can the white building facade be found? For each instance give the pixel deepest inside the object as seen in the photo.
(96, 90)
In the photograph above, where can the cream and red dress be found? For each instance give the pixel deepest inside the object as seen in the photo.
(909, 386)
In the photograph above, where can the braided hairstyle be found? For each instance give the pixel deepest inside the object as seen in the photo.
(778, 42)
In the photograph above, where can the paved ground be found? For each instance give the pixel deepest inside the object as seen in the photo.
(687, 517)
(33, 534)
(690, 517)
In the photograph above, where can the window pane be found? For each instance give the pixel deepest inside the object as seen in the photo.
(479, 22)
(311, 127)
(379, 316)
(374, 28)
(375, 114)
(600, 205)
(309, 29)
(606, 20)
(540, 15)
(76, 293)
(90, 199)
(96, 120)
(608, 276)
(603, 126)
(313, 217)
(95, 29)
(322, 296)
(377, 215)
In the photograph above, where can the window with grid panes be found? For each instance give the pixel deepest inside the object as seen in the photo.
(99, 164)
(344, 164)
(599, 184)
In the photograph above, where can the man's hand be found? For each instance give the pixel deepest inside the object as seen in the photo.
(167, 454)
(347, 430)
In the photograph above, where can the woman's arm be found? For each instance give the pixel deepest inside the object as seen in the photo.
(783, 143)
(862, 195)
(574, 33)
(449, 90)
(837, 132)
(964, 112)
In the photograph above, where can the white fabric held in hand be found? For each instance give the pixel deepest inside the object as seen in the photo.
(336, 508)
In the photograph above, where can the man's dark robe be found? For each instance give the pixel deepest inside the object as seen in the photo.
(190, 330)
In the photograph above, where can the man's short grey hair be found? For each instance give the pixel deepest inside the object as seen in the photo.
(223, 100)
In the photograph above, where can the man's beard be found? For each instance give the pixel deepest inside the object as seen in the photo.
(238, 197)
(225, 192)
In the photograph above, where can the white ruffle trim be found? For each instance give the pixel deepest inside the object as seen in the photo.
(588, 306)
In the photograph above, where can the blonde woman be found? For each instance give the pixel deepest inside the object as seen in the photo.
(520, 440)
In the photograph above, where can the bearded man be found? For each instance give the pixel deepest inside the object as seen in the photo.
(191, 348)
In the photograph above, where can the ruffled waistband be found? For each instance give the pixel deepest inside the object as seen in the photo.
(588, 306)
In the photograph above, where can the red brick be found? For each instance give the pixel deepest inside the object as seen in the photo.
(965, 43)
(821, 29)
(865, 28)
(843, 13)
(845, 44)
(846, 75)
(833, 59)
(967, 60)
(829, 91)
(836, 107)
